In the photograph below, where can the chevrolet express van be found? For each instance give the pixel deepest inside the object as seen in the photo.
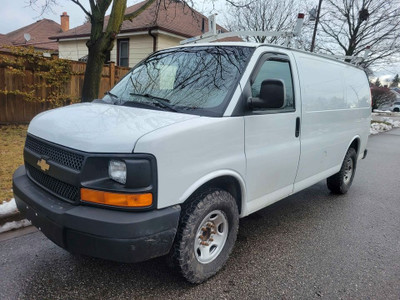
(189, 141)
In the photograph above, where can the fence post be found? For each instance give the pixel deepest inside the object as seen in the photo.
(112, 74)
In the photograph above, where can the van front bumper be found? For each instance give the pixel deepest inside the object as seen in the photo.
(104, 233)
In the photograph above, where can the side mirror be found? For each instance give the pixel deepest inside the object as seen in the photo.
(272, 95)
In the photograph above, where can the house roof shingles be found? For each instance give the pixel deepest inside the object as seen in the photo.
(4, 41)
(174, 17)
(39, 32)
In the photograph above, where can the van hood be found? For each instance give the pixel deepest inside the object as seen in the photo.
(100, 128)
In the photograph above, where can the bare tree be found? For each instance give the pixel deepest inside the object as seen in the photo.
(352, 25)
(272, 15)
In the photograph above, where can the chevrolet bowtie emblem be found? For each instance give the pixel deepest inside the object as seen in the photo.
(43, 165)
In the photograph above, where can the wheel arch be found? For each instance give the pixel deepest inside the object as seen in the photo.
(355, 143)
(227, 180)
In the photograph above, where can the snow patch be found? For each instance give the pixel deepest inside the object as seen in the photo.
(8, 208)
(379, 127)
(378, 111)
(395, 124)
(14, 225)
(382, 127)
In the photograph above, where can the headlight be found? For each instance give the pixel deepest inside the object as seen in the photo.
(117, 171)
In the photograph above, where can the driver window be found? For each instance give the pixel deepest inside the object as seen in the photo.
(274, 69)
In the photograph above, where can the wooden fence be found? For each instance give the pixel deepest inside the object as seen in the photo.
(15, 109)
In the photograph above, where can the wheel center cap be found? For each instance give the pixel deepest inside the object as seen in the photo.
(206, 234)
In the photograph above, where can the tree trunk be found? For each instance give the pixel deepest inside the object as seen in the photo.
(94, 69)
(102, 41)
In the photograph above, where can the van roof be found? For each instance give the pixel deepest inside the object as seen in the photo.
(257, 45)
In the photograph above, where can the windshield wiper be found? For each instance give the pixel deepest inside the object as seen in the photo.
(162, 101)
(108, 93)
(111, 94)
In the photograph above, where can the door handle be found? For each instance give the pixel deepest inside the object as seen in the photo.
(297, 132)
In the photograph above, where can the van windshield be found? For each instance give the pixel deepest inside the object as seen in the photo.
(197, 80)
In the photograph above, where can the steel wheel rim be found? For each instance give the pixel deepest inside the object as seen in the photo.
(348, 170)
(211, 237)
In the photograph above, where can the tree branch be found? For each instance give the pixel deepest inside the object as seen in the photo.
(141, 9)
(82, 7)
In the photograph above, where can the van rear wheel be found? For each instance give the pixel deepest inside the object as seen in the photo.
(206, 235)
(340, 182)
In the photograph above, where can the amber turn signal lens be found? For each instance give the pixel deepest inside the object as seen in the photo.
(115, 199)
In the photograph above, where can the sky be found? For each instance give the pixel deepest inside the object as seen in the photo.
(15, 14)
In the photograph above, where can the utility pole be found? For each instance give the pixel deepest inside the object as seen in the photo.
(315, 27)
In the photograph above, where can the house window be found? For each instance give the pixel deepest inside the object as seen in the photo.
(123, 52)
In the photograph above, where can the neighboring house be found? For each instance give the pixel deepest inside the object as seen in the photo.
(149, 32)
(4, 41)
(36, 35)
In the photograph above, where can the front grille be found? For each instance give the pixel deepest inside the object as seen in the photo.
(59, 188)
(54, 153)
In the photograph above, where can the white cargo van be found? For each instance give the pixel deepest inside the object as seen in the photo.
(189, 141)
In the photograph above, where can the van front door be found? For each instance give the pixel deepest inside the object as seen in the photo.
(272, 143)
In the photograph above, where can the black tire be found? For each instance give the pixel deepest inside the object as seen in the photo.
(396, 110)
(340, 182)
(183, 253)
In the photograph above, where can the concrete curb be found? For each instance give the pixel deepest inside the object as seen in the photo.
(10, 218)
(8, 235)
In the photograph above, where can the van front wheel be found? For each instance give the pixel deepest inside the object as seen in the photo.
(206, 235)
(340, 182)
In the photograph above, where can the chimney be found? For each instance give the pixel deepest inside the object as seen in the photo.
(64, 21)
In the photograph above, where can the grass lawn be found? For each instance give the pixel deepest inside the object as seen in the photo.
(12, 139)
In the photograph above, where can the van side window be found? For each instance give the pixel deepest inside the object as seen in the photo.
(275, 69)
